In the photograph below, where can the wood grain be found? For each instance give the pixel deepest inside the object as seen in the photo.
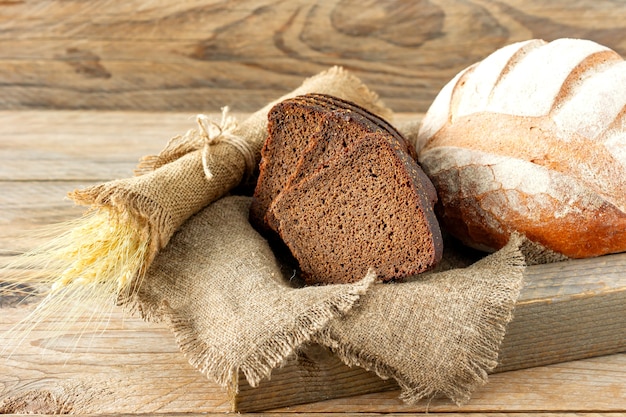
(111, 143)
(198, 56)
(281, 413)
(132, 367)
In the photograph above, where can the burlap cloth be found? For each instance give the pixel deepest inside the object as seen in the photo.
(219, 285)
(224, 295)
(435, 334)
(220, 288)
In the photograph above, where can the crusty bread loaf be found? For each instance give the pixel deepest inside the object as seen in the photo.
(366, 207)
(533, 139)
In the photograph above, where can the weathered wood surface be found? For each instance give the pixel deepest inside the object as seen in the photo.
(196, 55)
(135, 367)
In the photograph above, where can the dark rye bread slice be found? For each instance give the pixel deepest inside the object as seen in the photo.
(338, 131)
(291, 124)
(280, 152)
(368, 208)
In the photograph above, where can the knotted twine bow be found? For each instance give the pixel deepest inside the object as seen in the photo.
(213, 133)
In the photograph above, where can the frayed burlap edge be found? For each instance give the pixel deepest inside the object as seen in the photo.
(484, 356)
(492, 328)
(175, 148)
(266, 357)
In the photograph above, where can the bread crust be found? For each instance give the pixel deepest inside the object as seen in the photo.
(483, 202)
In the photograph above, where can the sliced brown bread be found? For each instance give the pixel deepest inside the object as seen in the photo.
(281, 152)
(339, 130)
(368, 207)
(291, 126)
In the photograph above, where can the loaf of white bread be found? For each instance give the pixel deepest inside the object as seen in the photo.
(532, 139)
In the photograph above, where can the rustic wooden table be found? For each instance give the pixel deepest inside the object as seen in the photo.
(135, 367)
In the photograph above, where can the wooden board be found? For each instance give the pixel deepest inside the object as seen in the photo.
(193, 56)
(568, 310)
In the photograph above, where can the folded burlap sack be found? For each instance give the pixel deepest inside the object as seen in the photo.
(435, 334)
(220, 288)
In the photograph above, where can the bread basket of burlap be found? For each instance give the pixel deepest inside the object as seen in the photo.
(234, 306)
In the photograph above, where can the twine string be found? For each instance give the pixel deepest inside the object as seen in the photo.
(213, 133)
